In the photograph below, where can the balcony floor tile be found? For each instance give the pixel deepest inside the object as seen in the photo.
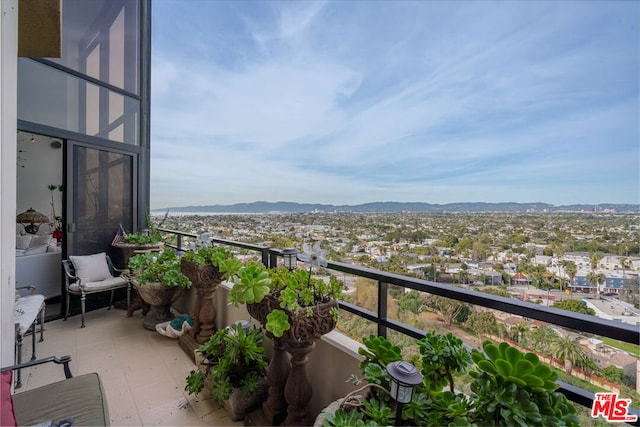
(143, 373)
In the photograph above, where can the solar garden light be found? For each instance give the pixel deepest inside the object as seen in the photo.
(244, 324)
(290, 256)
(404, 378)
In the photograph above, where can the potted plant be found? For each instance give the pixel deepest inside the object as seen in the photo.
(508, 388)
(234, 367)
(280, 298)
(296, 309)
(206, 266)
(132, 243)
(150, 240)
(158, 280)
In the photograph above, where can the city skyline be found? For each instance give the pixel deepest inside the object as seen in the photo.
(355, 102)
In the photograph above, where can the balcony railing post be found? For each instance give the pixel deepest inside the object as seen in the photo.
(265, 257)
(382, 309)
(179, 242)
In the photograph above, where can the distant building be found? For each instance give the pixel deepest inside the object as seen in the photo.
(520, 279)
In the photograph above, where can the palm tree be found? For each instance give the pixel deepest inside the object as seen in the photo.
(592, 278)
(568, 348)
(595, 279)
(600, 278)
(571, 270)
(519, 330)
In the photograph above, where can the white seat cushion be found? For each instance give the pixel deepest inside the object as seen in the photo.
(27, 309)
(111, 282)
(91, 268)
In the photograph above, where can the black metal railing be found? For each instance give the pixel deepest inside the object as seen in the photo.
(576, 321)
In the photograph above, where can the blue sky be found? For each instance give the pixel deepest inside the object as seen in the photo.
(348, 102)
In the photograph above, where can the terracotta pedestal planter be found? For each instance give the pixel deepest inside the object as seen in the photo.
(298, 341)
(159, 299)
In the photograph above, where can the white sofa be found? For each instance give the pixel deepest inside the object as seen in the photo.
(39, 264)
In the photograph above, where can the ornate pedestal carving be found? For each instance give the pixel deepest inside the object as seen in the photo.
(298, 341)
(205, 280)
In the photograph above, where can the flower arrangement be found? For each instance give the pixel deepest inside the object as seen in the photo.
(296, 291)
(56, 220)
(162, 267)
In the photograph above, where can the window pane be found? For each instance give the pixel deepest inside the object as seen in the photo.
(103, 195)
(100, 39)
(56, 99)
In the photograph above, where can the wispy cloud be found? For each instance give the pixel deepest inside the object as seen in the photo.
(348, 102)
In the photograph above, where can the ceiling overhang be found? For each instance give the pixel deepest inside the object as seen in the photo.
(39, 28)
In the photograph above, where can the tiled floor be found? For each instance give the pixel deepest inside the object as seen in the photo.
(143, 372)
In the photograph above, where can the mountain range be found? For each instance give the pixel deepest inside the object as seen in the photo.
(292, 207)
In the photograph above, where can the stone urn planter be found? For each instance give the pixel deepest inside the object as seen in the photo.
(205, 280)
(239, 405)
(289, 383)
(304, 329)
(159, 298)
(159, 282)
(129, 250)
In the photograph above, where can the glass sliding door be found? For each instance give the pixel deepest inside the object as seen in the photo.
(101, 197)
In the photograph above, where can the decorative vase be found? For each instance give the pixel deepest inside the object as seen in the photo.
(292, 383)
(159, 298)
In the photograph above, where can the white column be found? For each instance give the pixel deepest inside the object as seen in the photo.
(8, 129)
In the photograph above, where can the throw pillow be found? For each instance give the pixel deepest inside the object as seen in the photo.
(39, 241)
(91, 268)
(7, 413)
(23, 242)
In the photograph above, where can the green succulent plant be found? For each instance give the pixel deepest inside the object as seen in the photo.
(296, 291)
(525, 370)
(151, 238)
(517, 389)
(217, 256)
(162, 267)
(250, 284)
(236, 358)
(508, 387)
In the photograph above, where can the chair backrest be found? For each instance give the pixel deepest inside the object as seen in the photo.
(68, 268)
(71, 271)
